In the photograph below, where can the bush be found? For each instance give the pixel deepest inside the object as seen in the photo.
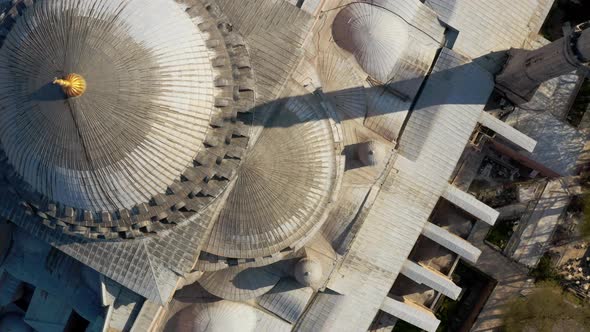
(500, 233)
(545, 270)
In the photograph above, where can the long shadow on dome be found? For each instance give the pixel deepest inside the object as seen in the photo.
(443, 91)
(398, 101)
(48, 92)
(436, 91)
(466, 89)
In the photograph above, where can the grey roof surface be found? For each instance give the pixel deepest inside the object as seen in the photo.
(287, 299)
(535, 232)
(147, 266)
(151, 267)
(560, 144)
(433, 141)
(279, 195)
(488, 26)
(387, 111)
(283, 187)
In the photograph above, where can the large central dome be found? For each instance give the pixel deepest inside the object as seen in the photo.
(142, 119)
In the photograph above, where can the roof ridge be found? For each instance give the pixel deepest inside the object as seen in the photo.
(156, 267)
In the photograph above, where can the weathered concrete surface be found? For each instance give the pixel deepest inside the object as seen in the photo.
(511, 277)
(535, 233)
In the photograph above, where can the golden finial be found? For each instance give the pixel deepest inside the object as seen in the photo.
(73, 85)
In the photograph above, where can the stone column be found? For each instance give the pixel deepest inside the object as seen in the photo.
(526, 70)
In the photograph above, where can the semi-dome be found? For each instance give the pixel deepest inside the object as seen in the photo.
(237, 283)
(107, 107)
(342, 86)
(283, 187)
(220, 316)
(308, 272)
(374, 35)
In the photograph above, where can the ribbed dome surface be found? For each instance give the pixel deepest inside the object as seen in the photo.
(142, 119)
(240, 284)
(308, 272)
(220, 316)
(375, 36)
(283, 186)
(342, 86)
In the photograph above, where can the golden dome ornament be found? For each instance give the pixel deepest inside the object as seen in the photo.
(73, 85)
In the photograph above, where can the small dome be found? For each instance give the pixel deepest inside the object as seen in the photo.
(221, 316)
(371, 153)
(375, 36)
(308, 272)
(14, 323)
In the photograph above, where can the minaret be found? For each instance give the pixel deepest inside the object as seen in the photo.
(526, 70)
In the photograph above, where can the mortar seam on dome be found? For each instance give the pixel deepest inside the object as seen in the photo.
(137, 219)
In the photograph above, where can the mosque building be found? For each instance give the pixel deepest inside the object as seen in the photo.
(255, 165)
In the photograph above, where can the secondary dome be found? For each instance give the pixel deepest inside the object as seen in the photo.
(238, 283)
(375, 36)
(220, 316)
(142, 119)
(283, 187)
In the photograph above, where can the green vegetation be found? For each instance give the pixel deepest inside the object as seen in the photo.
(445, 313)
(461, 314)
(548, 308)
(545, 270)
(402, 326)
(501, 233)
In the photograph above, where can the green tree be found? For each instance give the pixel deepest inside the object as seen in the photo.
(547, 309)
